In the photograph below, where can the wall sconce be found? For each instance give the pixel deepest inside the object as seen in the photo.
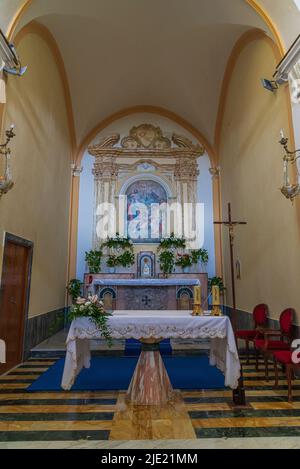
(290, 191)
(215, 172)
(6, 182)
(76, 170)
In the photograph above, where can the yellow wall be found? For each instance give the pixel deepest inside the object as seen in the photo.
(251, 162)
(37, 208)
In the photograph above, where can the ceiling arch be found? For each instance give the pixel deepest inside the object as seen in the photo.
(164, 54)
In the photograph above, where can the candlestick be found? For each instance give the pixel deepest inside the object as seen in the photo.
(197, 295)
(197, 310)
(282, 134)
(216, 301)
(216, 295)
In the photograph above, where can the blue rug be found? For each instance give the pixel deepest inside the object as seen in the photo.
(112, 374)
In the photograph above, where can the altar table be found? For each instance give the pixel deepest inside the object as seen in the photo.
(150, 383)
(127, 293)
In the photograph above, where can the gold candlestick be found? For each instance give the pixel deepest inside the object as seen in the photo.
(197, 309)
(216, 311)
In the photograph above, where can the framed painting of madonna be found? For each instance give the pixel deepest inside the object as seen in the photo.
(146, 205)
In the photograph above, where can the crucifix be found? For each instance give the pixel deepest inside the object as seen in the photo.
(239, 397)
(231, 224)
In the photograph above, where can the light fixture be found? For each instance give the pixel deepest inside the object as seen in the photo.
(6, 182)
(289, 190)
(284, 68)
(9, 60)
(269, 85)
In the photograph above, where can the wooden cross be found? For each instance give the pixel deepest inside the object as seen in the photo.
(231, 224)
(239, 396)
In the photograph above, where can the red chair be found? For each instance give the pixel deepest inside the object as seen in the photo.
(284, 357)
(266, 346)
(260, 318)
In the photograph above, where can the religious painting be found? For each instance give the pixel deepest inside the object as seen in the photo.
(146, 205)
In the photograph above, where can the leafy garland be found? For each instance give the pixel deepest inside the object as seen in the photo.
(92, 308)
(122, 252)
(118, 243)
(172, 243)
(170, 257)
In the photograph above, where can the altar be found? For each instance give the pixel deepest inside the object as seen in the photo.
(150, 383)
(124, 292)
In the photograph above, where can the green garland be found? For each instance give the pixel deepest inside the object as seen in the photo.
(118, 243)
(169, 257)
(122, 254)
(127, 259)
(172, 243)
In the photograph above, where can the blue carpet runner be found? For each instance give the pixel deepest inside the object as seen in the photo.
(115, 373)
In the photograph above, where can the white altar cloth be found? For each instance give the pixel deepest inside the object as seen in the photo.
(157, 325)
(151, 282)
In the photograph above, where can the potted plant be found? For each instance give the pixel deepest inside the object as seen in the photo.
(93, 259)
(126, 259)
(200, 255)
(167, 262)
(216, 281)
(74, 289)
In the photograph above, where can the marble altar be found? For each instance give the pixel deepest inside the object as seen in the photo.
(124, 292)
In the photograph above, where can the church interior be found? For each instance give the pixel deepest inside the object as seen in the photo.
(150, 224)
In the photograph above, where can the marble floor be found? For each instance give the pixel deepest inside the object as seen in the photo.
(195, 419)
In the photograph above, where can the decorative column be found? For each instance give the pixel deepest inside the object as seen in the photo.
(105, 176)
(186, 175)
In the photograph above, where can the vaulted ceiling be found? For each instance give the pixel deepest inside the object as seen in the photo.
(123, 53)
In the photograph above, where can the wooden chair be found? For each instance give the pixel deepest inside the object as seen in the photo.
(260, 318)
(266, 346)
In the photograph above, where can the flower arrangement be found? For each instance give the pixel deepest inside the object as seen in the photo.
(93, 309)
(184, 261)
(93, 259)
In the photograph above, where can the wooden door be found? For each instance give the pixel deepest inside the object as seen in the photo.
(14, 298)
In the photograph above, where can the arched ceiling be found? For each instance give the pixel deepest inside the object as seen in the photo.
(123, 53)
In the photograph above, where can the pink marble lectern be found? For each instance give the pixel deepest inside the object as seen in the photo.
(150, 384)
